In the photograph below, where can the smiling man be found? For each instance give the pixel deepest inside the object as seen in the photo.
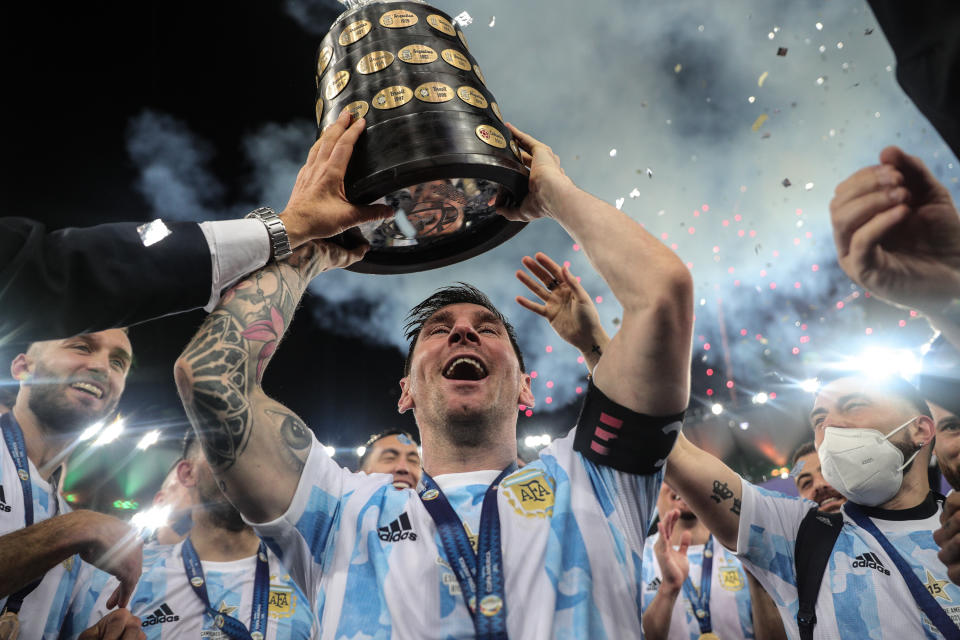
(393, 452)
(551, 550)
(808, 476)
(65, 387)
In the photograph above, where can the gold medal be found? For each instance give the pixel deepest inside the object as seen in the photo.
(9, 626)
(709, 635)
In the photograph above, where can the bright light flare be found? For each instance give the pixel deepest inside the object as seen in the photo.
(810, 385)
(532, 442)
(717, 408)
(330, 451)
(110, 433)
(152, 519)
(760, 398)
(361, 451)
(883, 362)
(148, 440)
(91, 431)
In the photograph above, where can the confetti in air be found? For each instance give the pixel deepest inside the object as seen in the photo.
(493, 21)
(463, 19)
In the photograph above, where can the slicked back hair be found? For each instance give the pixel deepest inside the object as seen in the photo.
(460, 293)
(377, 437)
(891, 385)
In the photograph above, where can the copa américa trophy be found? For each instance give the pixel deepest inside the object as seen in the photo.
(435, 147)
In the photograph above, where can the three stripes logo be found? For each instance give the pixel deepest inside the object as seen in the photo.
(399, 529)
(870, 560)
(3, 501)
(163, 614)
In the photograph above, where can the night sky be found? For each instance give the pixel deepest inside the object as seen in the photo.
(682, 114)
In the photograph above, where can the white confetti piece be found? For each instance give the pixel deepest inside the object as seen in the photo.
(463, 19)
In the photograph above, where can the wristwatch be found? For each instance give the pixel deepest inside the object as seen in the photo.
(279, 242)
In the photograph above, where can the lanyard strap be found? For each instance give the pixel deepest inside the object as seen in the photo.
(224, 621)
(480, 574)
(17, 447)
(924, 600)
(700, 601)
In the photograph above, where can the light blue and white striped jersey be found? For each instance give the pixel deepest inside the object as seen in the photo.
(730, 611)
(43, 610)
(169, 609)
(572, 541)
(862, 594)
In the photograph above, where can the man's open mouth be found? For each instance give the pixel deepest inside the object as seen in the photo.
(465, 368)
(88, 387)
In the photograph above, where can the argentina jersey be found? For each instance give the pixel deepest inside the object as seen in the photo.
(730, 612)
(572, 536)
(862, 594)
(43, 610)
(169, 608)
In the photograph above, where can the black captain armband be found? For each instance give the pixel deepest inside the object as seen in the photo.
(611, 435)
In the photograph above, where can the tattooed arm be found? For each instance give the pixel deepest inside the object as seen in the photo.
(256, 446)
(711, 488)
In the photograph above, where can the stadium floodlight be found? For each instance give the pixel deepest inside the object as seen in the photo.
(360, 451)
(810, 385)
(883, 362)
(531, 441)
(151, 519)
(91, 431)
(545, 439)
(716, 408)
(330, 451)
(148, 440)
(110, 433)
(760, 398)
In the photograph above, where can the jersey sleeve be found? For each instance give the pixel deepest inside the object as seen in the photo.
(303, 538)
(87, 601)
(769, 523)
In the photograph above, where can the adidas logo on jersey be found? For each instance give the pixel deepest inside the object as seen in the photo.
(3, 501)
(397, 530)
(870, 561)
(654, 584)
(161, 615)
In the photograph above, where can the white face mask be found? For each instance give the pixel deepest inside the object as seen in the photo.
(862, 464)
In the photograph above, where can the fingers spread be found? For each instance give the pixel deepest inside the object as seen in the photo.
(548, 264)
(539, 270)
(538, 309)
(534, 286)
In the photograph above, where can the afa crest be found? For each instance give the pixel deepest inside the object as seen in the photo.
(282, 602)
(731, 578)
(530, 492)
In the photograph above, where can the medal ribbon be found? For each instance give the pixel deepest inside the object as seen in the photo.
(701, 601)
(924, 600)
(480, 574)
(13, 436)
(225, 622)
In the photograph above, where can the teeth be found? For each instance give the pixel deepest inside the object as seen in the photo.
(470, 361)
(89, 388)
(827, 501)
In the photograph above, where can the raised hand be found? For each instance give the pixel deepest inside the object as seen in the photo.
(112, 545)
(318, 206)
(897, 233)
(566, 304)
(548, 181)
(674, 564)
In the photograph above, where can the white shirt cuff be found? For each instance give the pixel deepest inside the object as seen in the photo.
(237, 247)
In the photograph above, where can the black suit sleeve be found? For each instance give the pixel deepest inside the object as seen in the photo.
(61, 283)
(925, 37)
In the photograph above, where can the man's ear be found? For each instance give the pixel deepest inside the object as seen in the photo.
(22, 367)
(923, 430)
(187, 473)
(405, 403)
(526, 392)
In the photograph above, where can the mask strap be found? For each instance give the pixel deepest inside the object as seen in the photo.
(910, 459)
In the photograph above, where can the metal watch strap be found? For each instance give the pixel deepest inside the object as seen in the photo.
(279, 242)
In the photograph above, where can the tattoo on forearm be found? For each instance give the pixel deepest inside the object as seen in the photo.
(736, 506)
(596, 349)
(721, 492)
(226, 360)
(295, 435)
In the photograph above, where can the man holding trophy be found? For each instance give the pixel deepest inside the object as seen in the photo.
(497, 552)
